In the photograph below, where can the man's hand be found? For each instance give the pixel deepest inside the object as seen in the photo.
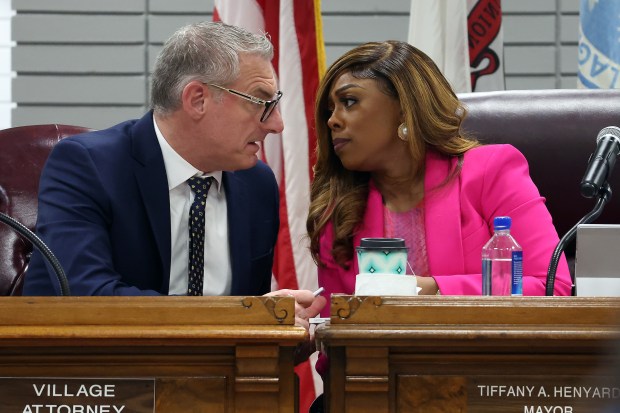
(306, 305)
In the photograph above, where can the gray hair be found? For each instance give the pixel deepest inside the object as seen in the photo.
(206, 51)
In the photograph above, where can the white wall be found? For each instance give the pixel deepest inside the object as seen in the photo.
(5, 64)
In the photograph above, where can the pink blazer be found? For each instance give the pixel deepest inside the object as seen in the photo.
(494, 181)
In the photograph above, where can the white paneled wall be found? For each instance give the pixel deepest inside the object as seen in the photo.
(540, 43)
(5, 64)
(87, 62)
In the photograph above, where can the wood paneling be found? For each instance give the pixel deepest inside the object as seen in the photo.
(445, 353)
(207, 354)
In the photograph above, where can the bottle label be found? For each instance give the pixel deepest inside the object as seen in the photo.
(487, 273)
(517, 273)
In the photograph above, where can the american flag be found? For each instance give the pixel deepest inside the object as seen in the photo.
(295, 30)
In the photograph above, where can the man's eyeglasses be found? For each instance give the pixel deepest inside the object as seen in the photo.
(270, 105)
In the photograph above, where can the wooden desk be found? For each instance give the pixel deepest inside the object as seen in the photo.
(196, 354)
(471, 354)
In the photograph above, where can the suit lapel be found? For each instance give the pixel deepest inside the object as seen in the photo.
(372, 224)
(152, 182)
(239, 226)
(442, 211)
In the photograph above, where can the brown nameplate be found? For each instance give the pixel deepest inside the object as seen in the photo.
(535, 394)
(56, 395)
(501, 394)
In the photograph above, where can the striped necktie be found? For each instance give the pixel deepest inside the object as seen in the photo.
(200, 188)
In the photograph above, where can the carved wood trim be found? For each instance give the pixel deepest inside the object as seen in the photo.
(149, 321)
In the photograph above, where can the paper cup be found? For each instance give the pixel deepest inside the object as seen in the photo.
(382, 255)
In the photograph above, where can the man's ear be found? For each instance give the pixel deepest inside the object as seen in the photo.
(194, 99)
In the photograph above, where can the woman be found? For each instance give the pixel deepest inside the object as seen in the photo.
(393, 162)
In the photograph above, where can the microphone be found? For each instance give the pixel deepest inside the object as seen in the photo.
(593, 184)
(601, 162)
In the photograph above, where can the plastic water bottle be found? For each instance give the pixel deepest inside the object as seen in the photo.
(502, 261)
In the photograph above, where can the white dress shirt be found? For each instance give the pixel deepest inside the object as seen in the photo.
(218, 272)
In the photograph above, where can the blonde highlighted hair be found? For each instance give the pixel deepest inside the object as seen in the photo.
(433, 116)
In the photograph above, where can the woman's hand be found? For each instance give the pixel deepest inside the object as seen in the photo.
(428, 285)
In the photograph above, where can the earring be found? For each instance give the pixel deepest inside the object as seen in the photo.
(402, 132)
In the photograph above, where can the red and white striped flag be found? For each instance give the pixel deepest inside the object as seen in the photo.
(296, 32)
(295, 29)
(464, 38)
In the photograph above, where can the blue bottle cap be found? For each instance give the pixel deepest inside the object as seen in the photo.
(502, 223)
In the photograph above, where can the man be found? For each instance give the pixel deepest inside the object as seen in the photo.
(115, 205)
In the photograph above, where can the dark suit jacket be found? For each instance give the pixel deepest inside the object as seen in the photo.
(104, 211)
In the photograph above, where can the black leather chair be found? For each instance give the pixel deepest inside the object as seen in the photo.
(556, 130)
(23, 152)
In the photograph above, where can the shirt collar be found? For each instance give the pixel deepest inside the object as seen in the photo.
(178, 170)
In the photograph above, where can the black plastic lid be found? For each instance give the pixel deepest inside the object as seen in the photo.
(382, 243)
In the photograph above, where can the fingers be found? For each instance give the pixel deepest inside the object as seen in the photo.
(301, 319)
(306, 304)
(315, 308)
(303, 297)
(428, 285)
(302, 322)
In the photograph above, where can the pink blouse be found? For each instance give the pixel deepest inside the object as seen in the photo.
(409, 225)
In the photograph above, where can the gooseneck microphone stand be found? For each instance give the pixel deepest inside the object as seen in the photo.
(603, 196)
(47, 253)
